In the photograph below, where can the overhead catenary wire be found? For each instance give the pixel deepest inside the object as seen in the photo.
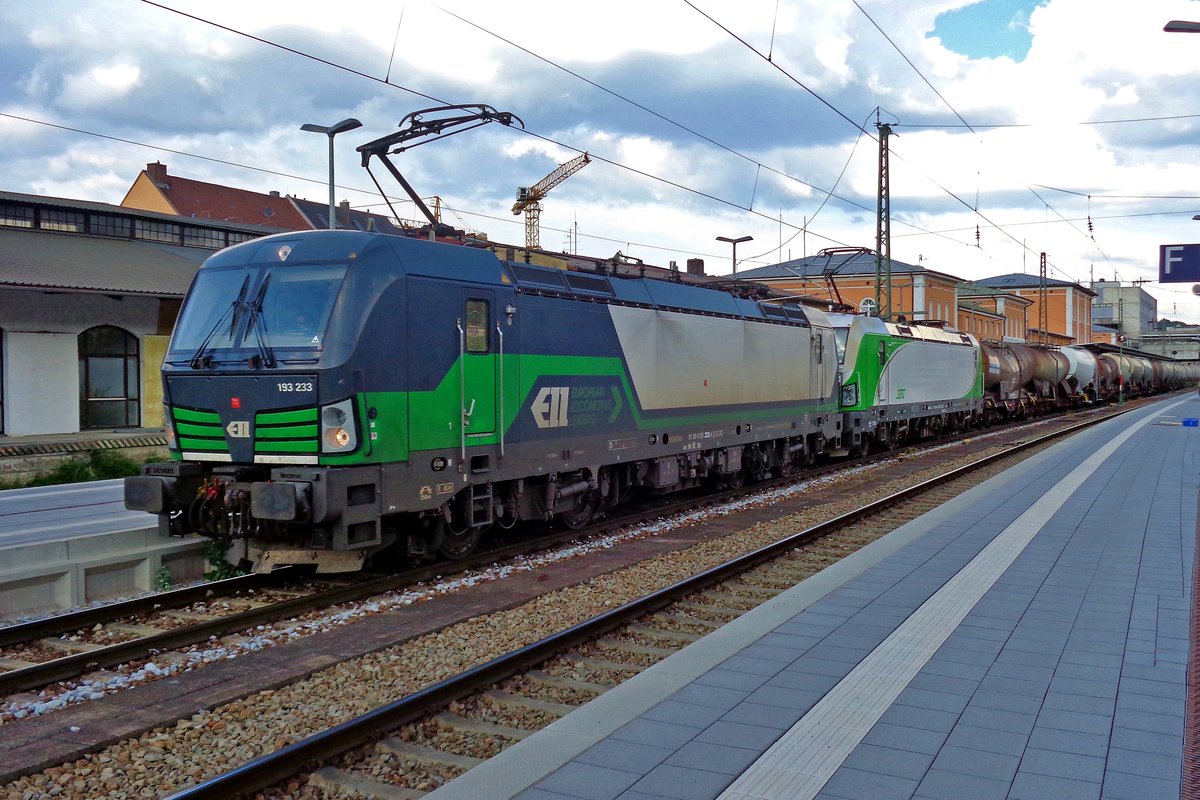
(422, 94)
(612, 162)
(432, 98)
(1121, 121)
(320, 182)
(1090, 237)
(703, 137)
(973, 208)
(915, 69)
(843, 115)
(503, 219)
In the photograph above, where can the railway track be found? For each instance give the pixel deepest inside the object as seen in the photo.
(44, 652)
(41, 652)
(410, 746)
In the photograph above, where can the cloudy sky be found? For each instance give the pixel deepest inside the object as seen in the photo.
(1068, 127)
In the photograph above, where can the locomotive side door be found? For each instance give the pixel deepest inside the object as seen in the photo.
(478, 362)
(885, 395)
(816, 352)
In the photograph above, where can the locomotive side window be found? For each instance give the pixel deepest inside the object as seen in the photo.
(477, 316)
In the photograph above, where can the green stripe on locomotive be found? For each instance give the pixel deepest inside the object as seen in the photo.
(869, 355)
(408, 422)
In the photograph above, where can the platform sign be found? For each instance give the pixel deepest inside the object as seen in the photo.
(1178, 263)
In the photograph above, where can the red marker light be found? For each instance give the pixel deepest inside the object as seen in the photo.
(235, 402)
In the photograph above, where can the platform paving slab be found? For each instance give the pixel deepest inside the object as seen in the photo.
(1011, 703)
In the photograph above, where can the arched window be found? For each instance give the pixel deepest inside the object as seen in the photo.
(867, 306)
(109, 379)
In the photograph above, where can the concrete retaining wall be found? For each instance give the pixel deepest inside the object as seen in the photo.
(52, 576)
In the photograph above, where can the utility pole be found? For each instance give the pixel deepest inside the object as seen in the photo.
(1043, 302)
(883, 229)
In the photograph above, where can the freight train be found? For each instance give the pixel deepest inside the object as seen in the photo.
(336, 396)
(902, 382)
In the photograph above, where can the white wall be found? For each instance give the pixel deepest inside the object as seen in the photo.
(42, 390)
(41, 352)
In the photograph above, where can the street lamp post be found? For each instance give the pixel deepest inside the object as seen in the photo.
(735, 243)
(332, 131)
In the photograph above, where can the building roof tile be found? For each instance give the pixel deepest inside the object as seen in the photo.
(200, 200)
(815, 267)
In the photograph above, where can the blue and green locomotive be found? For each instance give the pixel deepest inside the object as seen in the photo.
(333, 396)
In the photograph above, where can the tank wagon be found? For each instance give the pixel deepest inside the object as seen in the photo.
(1022, 379)
(902, 382)
(331, 395)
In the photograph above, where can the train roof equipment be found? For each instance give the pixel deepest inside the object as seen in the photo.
(469, 116)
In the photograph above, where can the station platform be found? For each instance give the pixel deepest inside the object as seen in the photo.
(67, 545)
(1028, 640)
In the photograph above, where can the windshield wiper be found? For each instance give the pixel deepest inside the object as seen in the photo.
(266, 356)
(238, 306)
(198, 359)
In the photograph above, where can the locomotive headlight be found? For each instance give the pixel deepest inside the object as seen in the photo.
(850, 395)
(338, 434)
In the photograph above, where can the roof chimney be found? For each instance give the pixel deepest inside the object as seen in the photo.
(157, 172)
(274, 193)
(695, 266)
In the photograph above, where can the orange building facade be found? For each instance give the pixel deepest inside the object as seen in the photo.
(926, 295)
(995, 309)
(1068, 307)
(1007, 314)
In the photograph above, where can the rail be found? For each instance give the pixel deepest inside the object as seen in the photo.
(273, 768)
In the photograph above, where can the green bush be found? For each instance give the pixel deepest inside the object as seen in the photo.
(163, 580)
(98, 465)
(214, 551)
(112, 464)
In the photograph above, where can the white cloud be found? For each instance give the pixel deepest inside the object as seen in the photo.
(173, 82)
(99, 85)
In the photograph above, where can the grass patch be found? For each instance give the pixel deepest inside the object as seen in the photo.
(97, 465)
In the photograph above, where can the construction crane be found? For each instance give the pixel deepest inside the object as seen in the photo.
(529, 198)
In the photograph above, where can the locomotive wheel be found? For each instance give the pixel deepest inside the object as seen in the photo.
(458, 545)
(581, 513)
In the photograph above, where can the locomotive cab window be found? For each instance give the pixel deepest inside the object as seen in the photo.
(840, 335)
(232, 310)
(478, 333)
